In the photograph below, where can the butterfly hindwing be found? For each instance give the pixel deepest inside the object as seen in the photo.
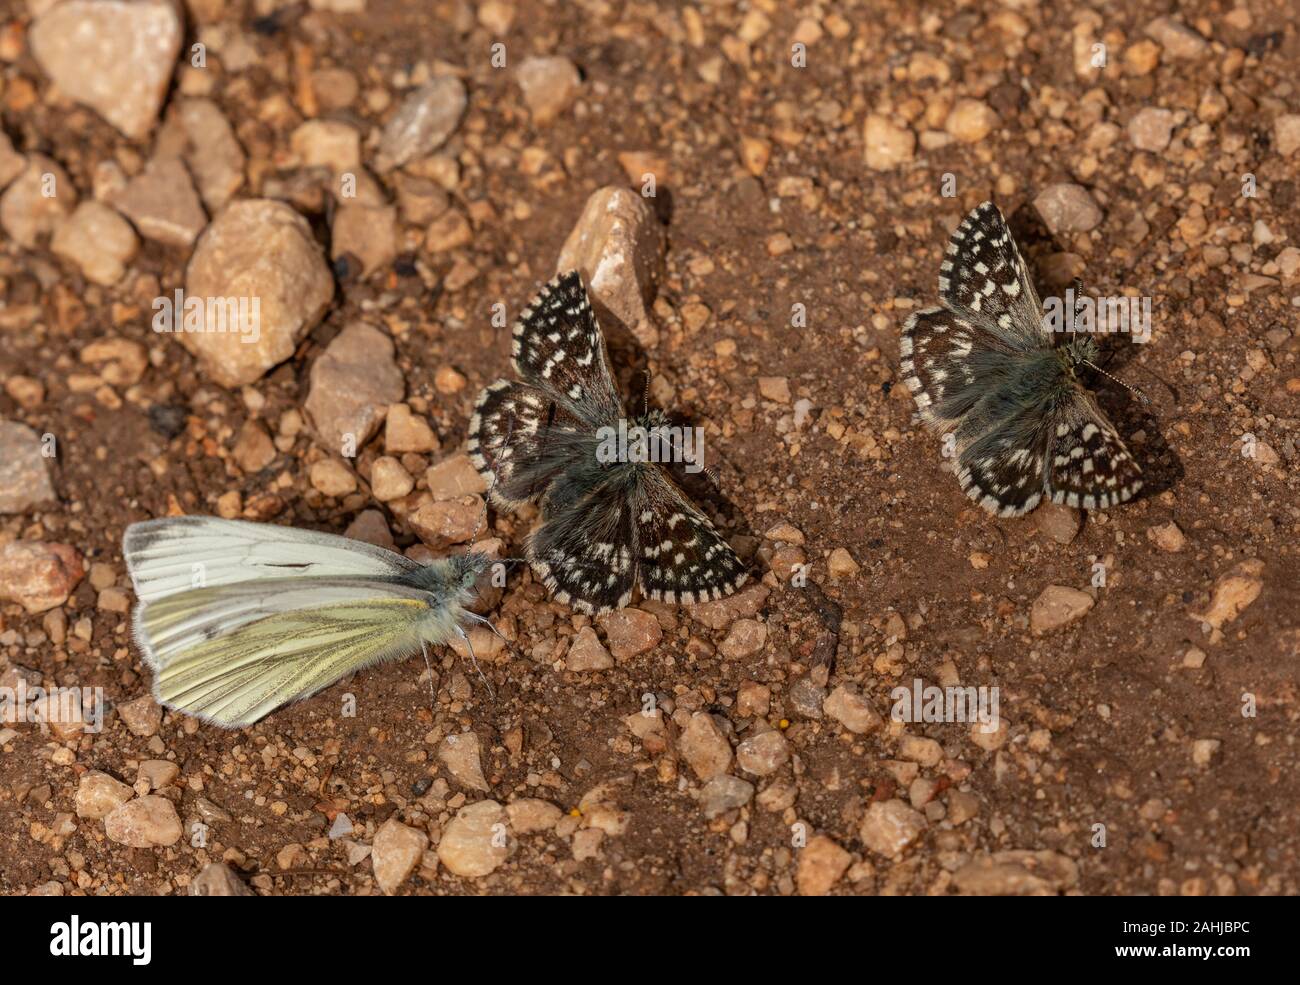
(520, 438)
(631, 529)
(940, 351)
(242, 673)
(584, 551)
(682, 558)
(558, 347)
(1002, 466)
(1090, 466)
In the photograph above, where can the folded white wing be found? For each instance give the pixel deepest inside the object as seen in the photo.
(236, 619)
(230, 655)
(167, 627)
(177, 554)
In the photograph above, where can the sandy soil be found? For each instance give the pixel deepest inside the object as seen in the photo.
(1130, 716)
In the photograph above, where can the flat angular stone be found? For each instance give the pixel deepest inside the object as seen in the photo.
(113, 56)
(264, 250)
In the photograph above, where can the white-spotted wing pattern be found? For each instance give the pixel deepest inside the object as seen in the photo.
(606, 527)
(983, 369)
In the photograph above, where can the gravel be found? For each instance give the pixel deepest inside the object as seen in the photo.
(549, 85)
(394, 201)
(98, 240)
(146, 822)
(396, 851)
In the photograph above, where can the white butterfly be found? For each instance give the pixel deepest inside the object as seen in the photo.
(239, 618)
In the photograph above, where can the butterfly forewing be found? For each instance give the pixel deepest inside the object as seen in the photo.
(940, 350)
(984, 277)
(558, 347)
(170, 554)
(520, 439)
(241, 675)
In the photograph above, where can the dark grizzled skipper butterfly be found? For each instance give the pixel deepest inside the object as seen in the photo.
(983, 368)
(606, 525)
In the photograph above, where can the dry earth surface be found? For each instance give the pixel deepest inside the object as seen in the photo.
(394, 179)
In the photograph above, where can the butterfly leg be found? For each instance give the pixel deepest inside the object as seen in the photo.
(479, 619)
(433, 697)
(474, 660)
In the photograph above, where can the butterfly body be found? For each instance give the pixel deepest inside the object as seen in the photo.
(608, 525)
(984, 369)
(236, 619)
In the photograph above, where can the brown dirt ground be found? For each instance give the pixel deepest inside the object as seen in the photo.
(1120, 710)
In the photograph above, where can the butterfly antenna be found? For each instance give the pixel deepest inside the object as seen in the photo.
(645, 396)
(473, 538)
(1131, 389)
(1160, 379)
(709, 471)
(1077, 286)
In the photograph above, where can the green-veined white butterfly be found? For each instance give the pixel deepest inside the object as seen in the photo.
(237, 619)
